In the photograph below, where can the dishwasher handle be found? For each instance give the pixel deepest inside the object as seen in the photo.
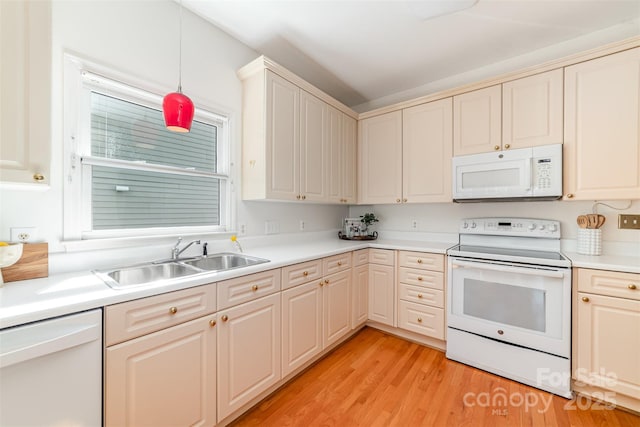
(51, 340)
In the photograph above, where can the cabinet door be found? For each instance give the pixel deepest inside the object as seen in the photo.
(335, 146)
(283, 138)
(359, 295)
(248, 352)
(337, 307)
(602, 128)
(381, 294)
(380, 159)
(301, 325)
(608, 343)
(532, 111)
(164, 378)
(426, 152)
(349, 159)
(477, 118)
(314, 153)
(25, 92)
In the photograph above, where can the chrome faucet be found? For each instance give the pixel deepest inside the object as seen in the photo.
(175, 252)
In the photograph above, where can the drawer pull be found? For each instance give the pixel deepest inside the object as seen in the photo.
(632, 286)
(212, 323)
(419, 261)
(339, 263)
(500, 332)
(225, 318)
(254, 288)
(326, 281)
(173, 310)
(321, 283)
(419, 278)
(585, 299)
(419, 295)
(305, 273)
(420, 319)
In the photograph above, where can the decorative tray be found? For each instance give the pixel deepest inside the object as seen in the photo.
(373, 236)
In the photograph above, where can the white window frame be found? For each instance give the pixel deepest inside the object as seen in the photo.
(80, 80)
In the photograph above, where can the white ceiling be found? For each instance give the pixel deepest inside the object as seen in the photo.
(359, 51)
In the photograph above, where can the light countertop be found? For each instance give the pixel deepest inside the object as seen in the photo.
(37, 299)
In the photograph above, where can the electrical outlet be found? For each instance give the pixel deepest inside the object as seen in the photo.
(414, 224)
(242, 230)
(24, 234)
(271, 227)
(629, 222)
(302, 224)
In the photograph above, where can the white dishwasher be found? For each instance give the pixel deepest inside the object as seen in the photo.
(51, 372)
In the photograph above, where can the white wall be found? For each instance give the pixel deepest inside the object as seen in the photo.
(140, 38)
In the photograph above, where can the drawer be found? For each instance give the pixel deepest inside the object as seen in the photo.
(336, 263)
(142, 316)
(426, 278)
(382, 256)
(421, 319)
(420, 295)
(304, 272)
(360, 257)
(611, 283)
(236, 291)
(421, 260)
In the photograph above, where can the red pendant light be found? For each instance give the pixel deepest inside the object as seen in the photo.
(177, 108)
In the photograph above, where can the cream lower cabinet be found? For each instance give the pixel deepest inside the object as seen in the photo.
(249, 349)
(602, 128)
(160, 360)
(336, 307)
(382, 286)
(607, 336)
(360, 288)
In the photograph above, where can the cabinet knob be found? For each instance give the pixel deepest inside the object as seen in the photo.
(397, 200)
(298, 197)
(305, 273)
(419, 295)
(496, 147)
(500, 332)
(419, 261)
(173, 310)
(38, 177)
(225, 318)
(419, 278)
(212, 323)
(321, 283)
(404, 200)
(632, 286)
(585, 299)
(507, 146)
(569, 196)
(420, 319)
(339, 263)
(304, 197)
(254, 288)
(326, 281)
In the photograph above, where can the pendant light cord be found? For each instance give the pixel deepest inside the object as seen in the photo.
(180, 53)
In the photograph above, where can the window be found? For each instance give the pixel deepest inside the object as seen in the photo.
(130, 176)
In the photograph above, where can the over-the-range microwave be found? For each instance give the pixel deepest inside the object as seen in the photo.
(524, 174)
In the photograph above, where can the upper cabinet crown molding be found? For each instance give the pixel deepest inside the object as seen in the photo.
(263, 63)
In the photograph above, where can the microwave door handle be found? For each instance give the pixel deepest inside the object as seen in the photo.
(508, 268)
(529, 173)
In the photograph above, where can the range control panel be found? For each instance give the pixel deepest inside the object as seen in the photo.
(521, 227)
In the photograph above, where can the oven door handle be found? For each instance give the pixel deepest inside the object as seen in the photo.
(510, 268)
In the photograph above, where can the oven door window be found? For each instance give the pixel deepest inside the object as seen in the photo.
(518, 305)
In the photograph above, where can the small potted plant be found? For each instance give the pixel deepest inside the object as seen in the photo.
(367, 219)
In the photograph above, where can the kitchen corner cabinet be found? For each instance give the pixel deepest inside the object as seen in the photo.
(248, 352)
(25, 92)
(296, 146)
(380, 159)
(426, 152)
(160, 360)
(521, 113)
(382, 286)
(607, 336)
(602, 128)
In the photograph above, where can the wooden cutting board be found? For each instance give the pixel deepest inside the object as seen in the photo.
(34, 263)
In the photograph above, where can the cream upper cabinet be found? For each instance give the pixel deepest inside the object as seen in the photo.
(341, 167)
(380, 159)
(25, 92)
(298, 144)
(602, 128)
(314, 148)
(427, 151)
(532, 110)
(477, 121)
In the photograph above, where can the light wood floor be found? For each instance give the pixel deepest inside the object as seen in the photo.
(376, 379)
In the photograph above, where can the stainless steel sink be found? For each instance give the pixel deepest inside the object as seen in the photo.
(145, 274)
(224, 261)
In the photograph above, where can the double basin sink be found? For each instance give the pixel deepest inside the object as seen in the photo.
(145, 274)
